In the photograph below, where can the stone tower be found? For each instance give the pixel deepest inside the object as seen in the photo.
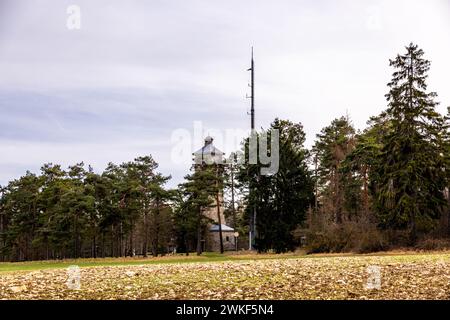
(210, 155)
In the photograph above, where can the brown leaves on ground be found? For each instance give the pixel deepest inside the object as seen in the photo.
(402, 277)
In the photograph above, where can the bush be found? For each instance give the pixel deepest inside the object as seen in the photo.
(350, 236)
(433, 244)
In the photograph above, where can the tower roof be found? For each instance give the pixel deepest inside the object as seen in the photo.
(208, 140)
(208, 153)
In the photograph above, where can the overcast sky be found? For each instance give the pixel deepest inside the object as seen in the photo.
(136, 71)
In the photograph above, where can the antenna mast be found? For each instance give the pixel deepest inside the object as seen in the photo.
(252, 85)
(252, 232)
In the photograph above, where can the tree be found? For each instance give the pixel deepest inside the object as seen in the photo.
(199, 189)
(64, 214)
(332, 146)
(446, 138)
(138, 207)
(95, 187)
(409, 176)
(161, 211)
(358, 167)
(281, 199)
(20, 212)
(233, 193)
(185, 219)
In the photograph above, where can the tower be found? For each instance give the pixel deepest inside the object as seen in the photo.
(209, 155)
(252, 231)
(219, 235)
(252, 97)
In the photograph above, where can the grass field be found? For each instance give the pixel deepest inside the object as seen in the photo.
(99, 262)
(244, 276)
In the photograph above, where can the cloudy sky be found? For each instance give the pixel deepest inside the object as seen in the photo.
(138, 73)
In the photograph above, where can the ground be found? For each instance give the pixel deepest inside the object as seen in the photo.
(292, 276)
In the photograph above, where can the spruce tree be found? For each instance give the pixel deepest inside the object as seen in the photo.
(410, 177)
(282, 199)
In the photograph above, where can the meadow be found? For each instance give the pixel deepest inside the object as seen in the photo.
(401, 275)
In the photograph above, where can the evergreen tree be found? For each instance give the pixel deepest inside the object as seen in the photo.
(282, 199)
(199, 190)
(161, 213)
(333, 145)
(358, 166)
(446, 138)
(185, 220)
(20, 211)
(95, 188)
(410, 177)
(233, 192)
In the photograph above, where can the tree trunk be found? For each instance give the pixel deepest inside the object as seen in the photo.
(338, 203)
(186, 243)
(233, 209)
(46, 248)
(365, 192)
(121, 246)
(76, 237)
(316, 188)
(112, 241)
(156, 237)
(199, 232)
(145, 244)
(413, 231)
(103, 245)
(94, 252)
(220, 223)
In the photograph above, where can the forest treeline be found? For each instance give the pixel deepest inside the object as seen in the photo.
(382, 187)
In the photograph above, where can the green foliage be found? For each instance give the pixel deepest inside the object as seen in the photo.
(281, 200)
(196, 195)
(338, 189)
(409, 175)
(357, 169)
(78, 213)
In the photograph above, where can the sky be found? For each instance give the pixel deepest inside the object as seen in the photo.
(155, 77)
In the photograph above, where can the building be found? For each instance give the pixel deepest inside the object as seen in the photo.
(210, 155)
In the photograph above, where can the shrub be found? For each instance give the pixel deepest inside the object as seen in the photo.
(350, 236)
(433, 244)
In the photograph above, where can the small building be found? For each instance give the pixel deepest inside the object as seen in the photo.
(210, 155)
(229, 240)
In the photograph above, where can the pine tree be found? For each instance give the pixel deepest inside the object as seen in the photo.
(333, 145)
(20, 211)
(359, 165)
(200, 190)
(409, 177)
(160, 212)
(185, 220)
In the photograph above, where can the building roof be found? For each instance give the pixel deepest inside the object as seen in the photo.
(215, 228)
(208, 149)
